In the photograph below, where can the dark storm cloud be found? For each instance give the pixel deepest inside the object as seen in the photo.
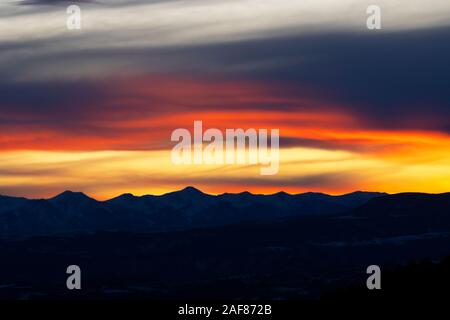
(77, 107)
(392, 80)
(53, 100)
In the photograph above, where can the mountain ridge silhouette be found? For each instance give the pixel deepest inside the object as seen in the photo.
(71, 211)
(75, 212)
(294, 257)
(192, 190)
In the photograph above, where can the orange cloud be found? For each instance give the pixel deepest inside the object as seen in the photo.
(126, 137)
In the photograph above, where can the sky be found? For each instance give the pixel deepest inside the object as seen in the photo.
(93, 109)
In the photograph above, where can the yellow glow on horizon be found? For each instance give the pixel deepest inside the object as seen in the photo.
(106, 174)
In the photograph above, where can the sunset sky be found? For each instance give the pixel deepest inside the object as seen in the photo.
(93, 110)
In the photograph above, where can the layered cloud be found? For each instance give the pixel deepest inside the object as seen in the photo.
(357, 108)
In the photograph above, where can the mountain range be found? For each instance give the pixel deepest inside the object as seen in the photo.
(74, 212)
(303, 255)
